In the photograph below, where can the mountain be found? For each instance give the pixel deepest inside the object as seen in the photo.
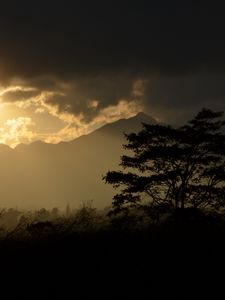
(48, 175)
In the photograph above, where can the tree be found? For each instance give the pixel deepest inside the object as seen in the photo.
(173, 168)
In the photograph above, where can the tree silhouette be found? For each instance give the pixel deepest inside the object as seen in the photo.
(173, 168)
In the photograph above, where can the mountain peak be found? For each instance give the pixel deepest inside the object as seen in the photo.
(140, 114)
(143, 117)
(133, 124)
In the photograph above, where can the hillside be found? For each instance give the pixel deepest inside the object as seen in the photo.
(47, 175)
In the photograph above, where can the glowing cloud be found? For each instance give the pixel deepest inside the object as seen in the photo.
(29, 114)
(16, 131)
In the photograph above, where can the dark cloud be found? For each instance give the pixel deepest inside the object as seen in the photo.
(176, 98)
(82, 91)
(100, 47)
(64, 39)
(19, 95)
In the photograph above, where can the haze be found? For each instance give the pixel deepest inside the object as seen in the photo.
(67, 69)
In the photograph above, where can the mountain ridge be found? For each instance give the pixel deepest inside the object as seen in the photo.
(124, 122)
(53, 175)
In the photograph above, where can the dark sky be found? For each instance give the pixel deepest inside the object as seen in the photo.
(100, 48)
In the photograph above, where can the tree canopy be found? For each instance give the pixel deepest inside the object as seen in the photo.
(173, 168)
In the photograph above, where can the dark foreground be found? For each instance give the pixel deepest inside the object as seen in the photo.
(182, 261)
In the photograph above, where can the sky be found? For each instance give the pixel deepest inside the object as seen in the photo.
(68, 67)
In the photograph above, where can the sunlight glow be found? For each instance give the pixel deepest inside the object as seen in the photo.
(34, 117)
(16, 131)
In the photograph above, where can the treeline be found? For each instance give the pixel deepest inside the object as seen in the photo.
(91, 252)
(17, 224)
(87, 220)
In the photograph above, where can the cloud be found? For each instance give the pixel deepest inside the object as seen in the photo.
(16, 131)
(94, 37)
(18, 93)
(76, 126)
(41, 118)
(84, 57)
(89, 95)
(176, 99)
(80, 96)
